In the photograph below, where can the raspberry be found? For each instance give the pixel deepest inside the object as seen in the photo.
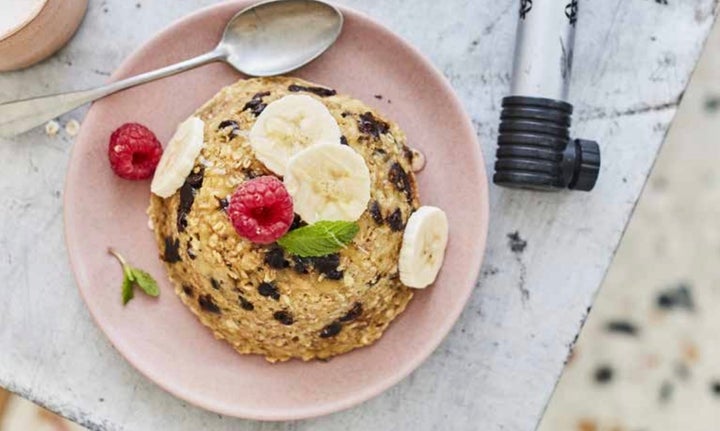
(261, 210)
(134, 152)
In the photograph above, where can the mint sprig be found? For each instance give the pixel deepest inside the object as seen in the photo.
(134, 277)
(319, 239)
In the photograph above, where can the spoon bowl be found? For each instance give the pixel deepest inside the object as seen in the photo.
(275, 37)
(265, 39)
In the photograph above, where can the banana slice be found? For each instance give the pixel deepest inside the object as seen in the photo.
(288, 126)
(328, 182)
(178, 157)
(423, 247)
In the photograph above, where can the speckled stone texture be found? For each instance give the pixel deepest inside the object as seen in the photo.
(648, 358)
(498, 367)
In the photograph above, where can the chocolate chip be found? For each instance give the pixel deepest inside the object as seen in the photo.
(328, 265)
(400, 179)
(245, 304)
(370, 125)
(301, 264)
(256, 105)
(228, 123)
(331, 330)
(327, 262)
(409, 156)
(378, 96)
(172, 250)
(223, 203)
(297, 222)
(345, 114)
(269, 290)
(283, 317)
(187, 289)
(195, 179)
(250, 174)
(207, 303)
(334, 274)
(318, 91)
(190, 252)
(603, 374)
(343, 140)
(230, 127)
(516, 244)
(189, 189)
(376, 212)
(621, 326)
(275, 258)
(215, 284)
(395, 220)
(353, 314)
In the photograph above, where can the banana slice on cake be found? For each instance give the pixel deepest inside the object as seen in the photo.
(290, 125)
(328, 182)
(423, 247)
(178, 157)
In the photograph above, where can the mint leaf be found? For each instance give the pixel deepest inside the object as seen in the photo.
(319, 239)
(127, 289)
(134, 276)
(145, 281)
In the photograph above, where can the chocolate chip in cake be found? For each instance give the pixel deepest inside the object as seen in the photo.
(223, 203)
(331, 330)
(345, 114)
(353, 314)
(230, 127)
(256, 105)
(283, 317)
(215, 284)
(190, 252)
(343, 140)
(318, 91)
(269, 290)
(297, 222)
(275, 258)
(208, 304)
(370, 125)
(245, 304)
(376, 212)
(395, 220)
(172, 250)
(192, 184)
(301, 264)
(187, 289)
(400, 179)
(328, 265)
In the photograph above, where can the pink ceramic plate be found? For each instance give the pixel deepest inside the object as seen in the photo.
(160, 337)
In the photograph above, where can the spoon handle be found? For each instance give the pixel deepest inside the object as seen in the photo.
(22, 115)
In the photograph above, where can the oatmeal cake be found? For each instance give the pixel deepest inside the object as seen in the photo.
(260, 298)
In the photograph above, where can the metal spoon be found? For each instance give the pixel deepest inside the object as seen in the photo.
(268, 38)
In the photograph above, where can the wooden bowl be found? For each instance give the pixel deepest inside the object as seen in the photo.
(42, 34)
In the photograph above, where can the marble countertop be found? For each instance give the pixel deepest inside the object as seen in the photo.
(498, 367)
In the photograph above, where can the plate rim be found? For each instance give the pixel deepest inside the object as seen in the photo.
(369, 391)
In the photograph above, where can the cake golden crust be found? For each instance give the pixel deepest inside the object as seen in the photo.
(259, 298)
